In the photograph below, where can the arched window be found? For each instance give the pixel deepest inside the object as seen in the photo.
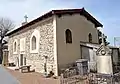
(15, 46)
(90, 37)
(68, 36)
(33, 43)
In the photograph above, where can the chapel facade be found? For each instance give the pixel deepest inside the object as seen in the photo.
(55, 35)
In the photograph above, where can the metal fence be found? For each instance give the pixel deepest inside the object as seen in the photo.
(95, 78)
(71, 76)
(77, 79)
(78, 74)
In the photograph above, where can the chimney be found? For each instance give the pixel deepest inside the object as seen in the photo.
(25, 20)
(24, 23)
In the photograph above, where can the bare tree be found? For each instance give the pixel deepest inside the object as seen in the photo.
(5, 25)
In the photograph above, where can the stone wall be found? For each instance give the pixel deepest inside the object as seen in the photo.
(46, 45)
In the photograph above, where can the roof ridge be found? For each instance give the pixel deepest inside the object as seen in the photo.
(61, 11)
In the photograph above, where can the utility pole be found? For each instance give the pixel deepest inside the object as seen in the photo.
(116, 40)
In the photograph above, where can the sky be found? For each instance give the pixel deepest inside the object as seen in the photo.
(105, 11)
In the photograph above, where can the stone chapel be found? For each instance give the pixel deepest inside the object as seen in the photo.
(53, 38)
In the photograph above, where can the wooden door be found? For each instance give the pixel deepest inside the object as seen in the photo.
(21, 59)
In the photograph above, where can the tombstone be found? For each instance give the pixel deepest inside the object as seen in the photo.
(104, 61)
(82, 66)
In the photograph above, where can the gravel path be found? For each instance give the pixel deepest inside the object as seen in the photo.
(32, 78)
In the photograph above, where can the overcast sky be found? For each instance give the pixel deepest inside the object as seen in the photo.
(106, 11)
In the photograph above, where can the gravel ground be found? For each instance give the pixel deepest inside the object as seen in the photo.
(32, 78)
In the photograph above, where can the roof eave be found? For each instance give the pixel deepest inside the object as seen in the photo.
(81, 11)
(32, 22)
(96, 22)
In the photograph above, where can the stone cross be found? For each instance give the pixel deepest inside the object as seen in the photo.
(104, 59)
(103, 42)
(45, 66)
(26, 17)
(103, 50)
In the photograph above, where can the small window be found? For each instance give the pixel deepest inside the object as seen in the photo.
(68, 36)
(90, 37)
(15, 46)
(33, 43)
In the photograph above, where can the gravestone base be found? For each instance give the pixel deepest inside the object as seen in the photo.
(104, 64)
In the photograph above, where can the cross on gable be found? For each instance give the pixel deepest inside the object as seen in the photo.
(26, 17)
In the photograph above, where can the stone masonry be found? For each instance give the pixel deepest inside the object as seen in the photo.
(46, 45)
